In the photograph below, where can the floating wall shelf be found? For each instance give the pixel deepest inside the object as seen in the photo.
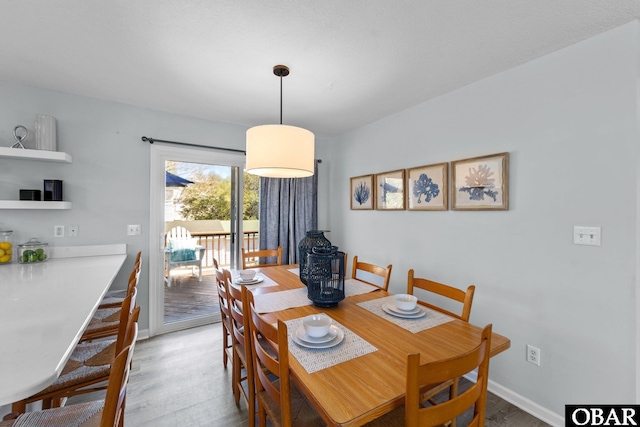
(33, 204)
(27, 154)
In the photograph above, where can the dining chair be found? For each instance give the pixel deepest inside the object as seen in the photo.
(225, 317)
(279, 399)
(108, 412)
(416, 414)
(445, 293)
(89, 365)
(106, 321)
(465, 298)
(371, 269)
(251, 259)
(243, 384)
(113, 298)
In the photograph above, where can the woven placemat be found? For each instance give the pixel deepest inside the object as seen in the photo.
(431, 319)
(315, 359)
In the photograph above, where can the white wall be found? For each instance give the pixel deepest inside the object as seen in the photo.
(108, 181)
(569, 122)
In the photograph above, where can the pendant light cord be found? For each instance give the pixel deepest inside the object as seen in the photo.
(280, 99)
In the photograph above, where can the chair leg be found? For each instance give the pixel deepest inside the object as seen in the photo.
(453, 392)
(252, 404)
(236, 371)
(225, 341)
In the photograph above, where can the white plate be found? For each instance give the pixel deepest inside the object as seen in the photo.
(249, 282)
(387, 309)
(300, 333)
(335, 341)
(392, 307)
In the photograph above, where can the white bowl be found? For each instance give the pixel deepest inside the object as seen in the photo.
(247, 275)
(317, 325)
(405, 302)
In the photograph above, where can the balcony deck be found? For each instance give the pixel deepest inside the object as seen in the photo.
(187, 298)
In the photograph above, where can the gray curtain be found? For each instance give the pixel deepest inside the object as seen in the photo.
(288, 209)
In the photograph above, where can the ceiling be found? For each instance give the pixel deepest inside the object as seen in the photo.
(352, 62)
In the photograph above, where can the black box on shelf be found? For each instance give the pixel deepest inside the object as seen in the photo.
(30, 195)
(53, 190)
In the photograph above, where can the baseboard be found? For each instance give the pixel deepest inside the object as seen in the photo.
(527, 405)
(143, 334)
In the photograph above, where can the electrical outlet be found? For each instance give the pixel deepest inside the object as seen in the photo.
(74, 230)
(533, 355)
(133, 230)
(58, 231)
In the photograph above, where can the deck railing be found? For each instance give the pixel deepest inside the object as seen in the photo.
(218, 245)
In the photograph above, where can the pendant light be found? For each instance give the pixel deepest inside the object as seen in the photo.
(280, 151)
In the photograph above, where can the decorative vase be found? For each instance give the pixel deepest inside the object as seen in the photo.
(314, 238)
(46, 133)
(325, 276)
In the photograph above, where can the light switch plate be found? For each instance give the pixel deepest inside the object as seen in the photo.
(590, 236)
(133, 230)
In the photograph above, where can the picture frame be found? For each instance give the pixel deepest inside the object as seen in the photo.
(480, 183)
(362, 192)
(390, 190)
(427, 187)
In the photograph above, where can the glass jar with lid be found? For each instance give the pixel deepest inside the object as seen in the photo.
(6, 246)
(32, 251)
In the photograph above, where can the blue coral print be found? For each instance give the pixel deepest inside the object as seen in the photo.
(362, 193)
(479, 183)
(425, 186)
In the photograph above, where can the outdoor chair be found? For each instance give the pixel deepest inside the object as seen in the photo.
(182, 251)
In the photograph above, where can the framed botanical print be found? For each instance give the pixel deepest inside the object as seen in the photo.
(427, 188)
(362, 194)
(390, 190)
(481, 183)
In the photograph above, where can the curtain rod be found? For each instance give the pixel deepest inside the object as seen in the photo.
(152, 140)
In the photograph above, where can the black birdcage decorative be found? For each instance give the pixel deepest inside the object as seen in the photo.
(325, 276)
(313, 239)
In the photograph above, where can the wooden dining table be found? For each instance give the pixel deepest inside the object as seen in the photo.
(44, 310)
(356, 391)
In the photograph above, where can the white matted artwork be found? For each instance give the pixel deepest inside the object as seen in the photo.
(427, 188)
(481, 183)
(390, 190)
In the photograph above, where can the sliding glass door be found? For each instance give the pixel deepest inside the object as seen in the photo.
(196, 222)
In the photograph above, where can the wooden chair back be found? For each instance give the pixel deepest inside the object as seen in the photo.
(237, 315)
(270, 348)
(442, 371)
(242, 344)
(252, 258)
(463, 297)
(225, 315)
(383, 272)
(113, 411)
(126, 311)
(223, 296)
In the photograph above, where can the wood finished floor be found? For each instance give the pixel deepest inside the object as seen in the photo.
(177, 379)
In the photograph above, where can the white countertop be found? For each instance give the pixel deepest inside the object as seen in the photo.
(44, 309)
